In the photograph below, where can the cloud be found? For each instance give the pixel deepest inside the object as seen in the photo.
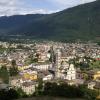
(16, 7)
(69, 3)
(7, 7)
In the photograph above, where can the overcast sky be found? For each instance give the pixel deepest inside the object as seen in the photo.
(15, 7)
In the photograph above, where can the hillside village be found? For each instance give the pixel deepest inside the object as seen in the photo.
(71, 63)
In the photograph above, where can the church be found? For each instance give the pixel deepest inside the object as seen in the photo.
(64, 70)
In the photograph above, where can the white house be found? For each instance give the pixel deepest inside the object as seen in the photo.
(42, 67)
(29, 87)
(48, 77)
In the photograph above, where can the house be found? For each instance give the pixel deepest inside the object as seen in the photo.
(43, 66)
(29, 87)
(96, 75)
(48, 77)
(91, 85)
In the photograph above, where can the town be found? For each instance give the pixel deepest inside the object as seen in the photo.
(23, 66)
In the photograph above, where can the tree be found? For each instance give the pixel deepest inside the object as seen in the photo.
(8, 94)
(85, 76)
(13, 63)
(90, 94)
(4, 74)
(12, 94)
(13, 71)
(21, 93)
(20, 46)
(39, 89)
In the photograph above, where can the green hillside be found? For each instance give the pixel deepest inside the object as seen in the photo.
(80, 22)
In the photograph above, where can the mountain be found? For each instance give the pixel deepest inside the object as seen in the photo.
(80, 22)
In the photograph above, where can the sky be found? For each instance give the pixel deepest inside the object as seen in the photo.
(20, 7)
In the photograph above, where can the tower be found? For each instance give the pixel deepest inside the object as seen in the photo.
(58, 63)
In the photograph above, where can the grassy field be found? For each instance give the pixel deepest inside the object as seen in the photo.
(48, 98)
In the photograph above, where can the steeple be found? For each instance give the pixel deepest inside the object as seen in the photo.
(58, 62)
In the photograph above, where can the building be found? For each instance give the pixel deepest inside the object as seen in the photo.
(58, 63)
(42, 66)
(96, 75)
(91, 85)
(29, 87)
(63, 69)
